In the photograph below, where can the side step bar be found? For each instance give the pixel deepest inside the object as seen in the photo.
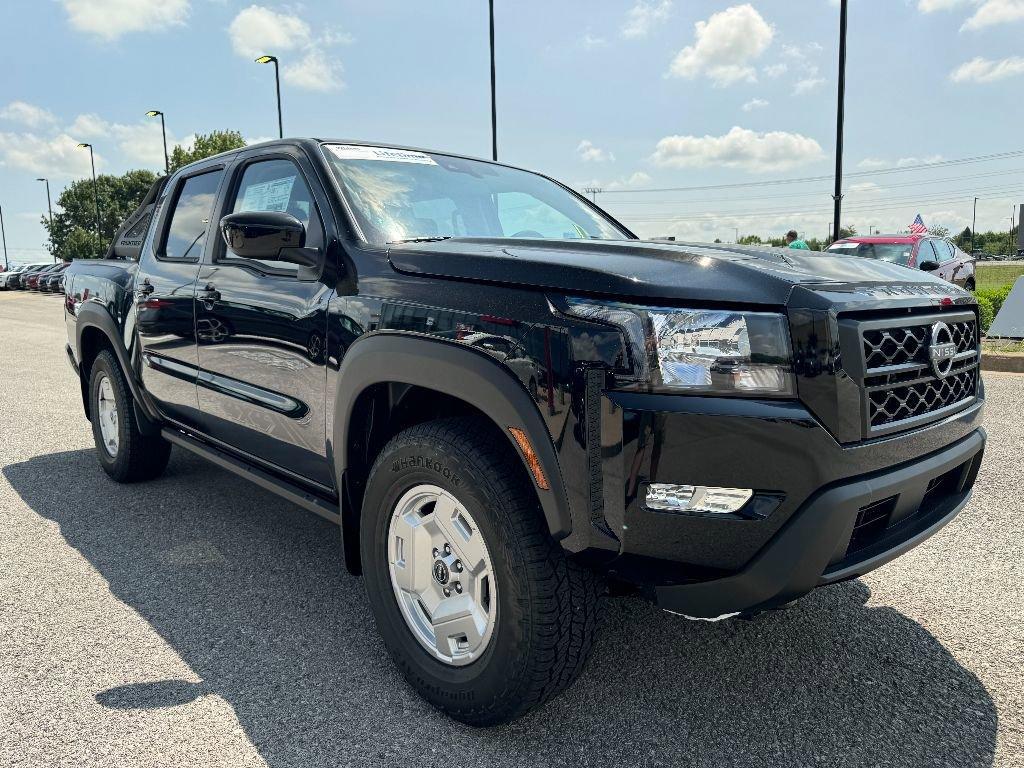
(282, 488)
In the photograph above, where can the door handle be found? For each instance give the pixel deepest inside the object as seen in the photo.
(208, 295)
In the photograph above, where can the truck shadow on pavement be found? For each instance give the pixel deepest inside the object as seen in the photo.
(252, 594)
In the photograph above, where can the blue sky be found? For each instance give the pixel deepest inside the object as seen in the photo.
(623, 95)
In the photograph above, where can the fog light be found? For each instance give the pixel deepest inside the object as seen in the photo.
(696, 498)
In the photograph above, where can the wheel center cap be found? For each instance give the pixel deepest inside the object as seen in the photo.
(440, 571)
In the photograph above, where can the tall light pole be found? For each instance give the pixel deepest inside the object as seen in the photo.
(494, 105)
(838, 195)
(277, 85)
(95, 190)
(163, 130)
(3, 235)
(974, 224)
(49, 208)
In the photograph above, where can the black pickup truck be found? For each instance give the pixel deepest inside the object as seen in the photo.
(513, 407)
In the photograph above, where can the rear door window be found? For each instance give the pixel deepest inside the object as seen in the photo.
(190, 218)
(925, 252)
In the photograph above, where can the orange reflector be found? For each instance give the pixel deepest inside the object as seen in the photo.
(531, 457)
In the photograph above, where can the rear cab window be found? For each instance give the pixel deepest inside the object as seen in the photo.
(190, 217)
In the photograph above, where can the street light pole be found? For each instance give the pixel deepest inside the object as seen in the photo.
(3, 235)
(974, 224)
(95, 190)
(49, 208)
(838, 195)
(277, 86)
(163, 130)
(494, 105)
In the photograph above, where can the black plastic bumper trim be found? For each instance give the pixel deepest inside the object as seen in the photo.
(797, 559)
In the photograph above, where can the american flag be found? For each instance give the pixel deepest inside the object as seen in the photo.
(918, 227)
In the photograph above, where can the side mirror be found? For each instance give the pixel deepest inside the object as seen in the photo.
(928, 266)
(271, 235)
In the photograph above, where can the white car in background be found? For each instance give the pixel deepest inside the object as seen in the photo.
(5, 276)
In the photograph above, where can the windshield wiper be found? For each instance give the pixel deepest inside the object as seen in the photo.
(431, 239)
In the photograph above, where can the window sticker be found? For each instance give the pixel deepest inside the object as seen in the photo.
(268, 196)
(383, 154)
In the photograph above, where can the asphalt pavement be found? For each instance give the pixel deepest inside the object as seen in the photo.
(198, 620)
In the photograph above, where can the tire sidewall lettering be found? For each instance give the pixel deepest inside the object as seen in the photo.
(419, 461)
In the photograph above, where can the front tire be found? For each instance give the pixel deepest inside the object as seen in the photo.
(124, 452)
(521, 623)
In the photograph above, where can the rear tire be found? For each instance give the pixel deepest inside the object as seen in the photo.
(124, 452)
(546, 606)
(969, 285)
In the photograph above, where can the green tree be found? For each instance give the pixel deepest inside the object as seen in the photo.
(73, 234)
(963, 240)
(205, 145)
(939, 231)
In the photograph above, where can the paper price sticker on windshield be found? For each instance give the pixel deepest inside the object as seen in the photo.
(383, 154)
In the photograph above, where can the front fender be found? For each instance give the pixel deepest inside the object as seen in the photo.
(456, 370)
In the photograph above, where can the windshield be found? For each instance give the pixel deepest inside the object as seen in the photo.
(894, 253)
(401, 195)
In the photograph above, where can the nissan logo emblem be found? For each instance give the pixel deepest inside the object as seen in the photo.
(941, 350)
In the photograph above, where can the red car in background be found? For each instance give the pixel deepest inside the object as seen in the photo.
(927, 252)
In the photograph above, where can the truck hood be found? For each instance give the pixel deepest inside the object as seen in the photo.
(655, 270)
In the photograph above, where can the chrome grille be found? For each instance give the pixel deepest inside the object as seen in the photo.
(901, 388)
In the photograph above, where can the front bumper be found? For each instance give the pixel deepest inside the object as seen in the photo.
(818, 544)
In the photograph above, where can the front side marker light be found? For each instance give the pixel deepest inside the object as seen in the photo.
(696, 499)
(532, 460)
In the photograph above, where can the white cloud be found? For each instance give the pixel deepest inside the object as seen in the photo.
(872, 162)
(591, 154)
(644, 16)
(807, 84)
(930, 6)
(138, 143)
(110, 19)
(27, 114)
(775, 70)
(987, 12)
(636, 179)
(725, 46)
(88, 126)
(56, 157)
(865, 187)
(257, 30)
(903, 162)
(981, 70)
(993, 12)
(753, 104)
(739, 148)
(314, 72)
(590, 41)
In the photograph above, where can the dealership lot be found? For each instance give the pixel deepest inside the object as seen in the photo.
(198, 620)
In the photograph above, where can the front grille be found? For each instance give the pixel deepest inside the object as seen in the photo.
(901, 388)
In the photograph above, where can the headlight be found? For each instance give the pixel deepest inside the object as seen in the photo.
(702, 350)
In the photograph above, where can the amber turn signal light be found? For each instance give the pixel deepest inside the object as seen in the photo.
(531, 458)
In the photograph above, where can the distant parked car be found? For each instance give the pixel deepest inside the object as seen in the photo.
(17, 280)
(932, 254)
(52, 281)
(5, 276)
(32, 281)
(982, 256)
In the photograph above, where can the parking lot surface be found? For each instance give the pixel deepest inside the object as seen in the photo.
(200, 621)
